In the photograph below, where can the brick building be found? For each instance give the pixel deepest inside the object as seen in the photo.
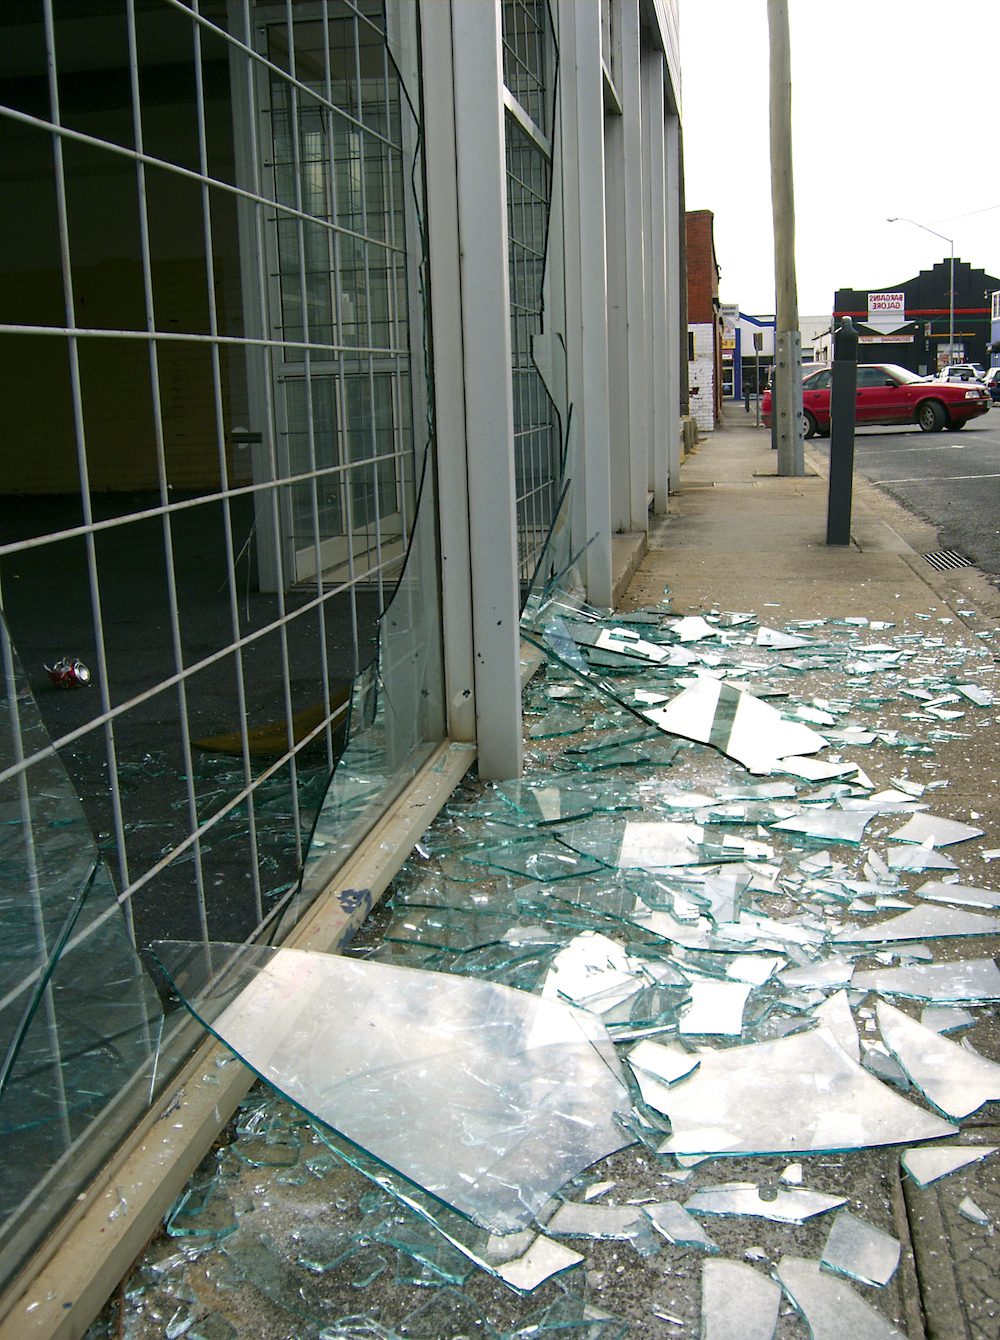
(704, 320)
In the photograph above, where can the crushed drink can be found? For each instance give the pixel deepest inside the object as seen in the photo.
(68, 674)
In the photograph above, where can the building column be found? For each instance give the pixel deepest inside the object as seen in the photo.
(581, 112)
(658, 294)
(470, 302)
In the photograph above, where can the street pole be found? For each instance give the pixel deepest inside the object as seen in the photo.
(787, 391)
(899, 218)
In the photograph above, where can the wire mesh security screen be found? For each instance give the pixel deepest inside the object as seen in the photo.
(212, 365)
(529, 61)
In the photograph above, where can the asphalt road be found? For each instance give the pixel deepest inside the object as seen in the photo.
(950, 479)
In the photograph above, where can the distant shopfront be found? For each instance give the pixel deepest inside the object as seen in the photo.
(911, 323)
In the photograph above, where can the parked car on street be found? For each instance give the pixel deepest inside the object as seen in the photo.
(960, 372)
(888, 394)
(992, 382)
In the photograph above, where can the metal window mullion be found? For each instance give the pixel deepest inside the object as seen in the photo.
(227, 518)
(368, 324)
(297, 163)
(80, 442)
(392, 298)
(340, 399)
(34, 879)
(270, 421)
(161, 464)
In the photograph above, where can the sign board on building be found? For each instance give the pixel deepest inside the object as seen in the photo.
(730, 313)
(886, 311)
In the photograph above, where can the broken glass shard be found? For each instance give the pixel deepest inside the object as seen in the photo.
(679, 1227)
(860, 1251)
(796, 1094)
(737, 1300)
(945, 1018)
(955, 1080)
(829, 973)
(793, 1206)
(543, 1259)
(968, 1209)
(922, 857)
(829, 825)
(931, 923)
(716, 1008)
(594, 972)
(829, 1305)
(575, 1219)
(773, 637)
(666, 1063)
(966, 895)
(737, 724)
(923, 828)
(488, 1098)
(963, 982)
(927, 1163)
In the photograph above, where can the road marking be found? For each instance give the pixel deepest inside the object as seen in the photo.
(936, 479)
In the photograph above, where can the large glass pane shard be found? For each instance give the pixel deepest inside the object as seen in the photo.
(574, 1219)
(921, 923)
(956, 1081)
(835, 1014)
(966, 895)
(830, 1306)
(973, 981)
(679, 1227)
(488, 1098)
(798, 1094)
(737, 724)
(860, 1251)
(715, 1008)
(829, 825)
(938, 832)
(927, 1163)
(737, 1300)
(785, 1207)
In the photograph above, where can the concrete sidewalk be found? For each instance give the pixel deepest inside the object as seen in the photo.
(739, 537)
(278, 1238)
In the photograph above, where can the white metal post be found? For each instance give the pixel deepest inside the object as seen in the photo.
(447, 368)
(675, 347)
(477, 74)
(582, 121)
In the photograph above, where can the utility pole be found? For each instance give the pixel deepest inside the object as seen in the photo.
(787, 394)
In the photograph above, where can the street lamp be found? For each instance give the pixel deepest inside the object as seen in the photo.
(951, 282)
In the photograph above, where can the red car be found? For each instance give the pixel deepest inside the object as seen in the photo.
(888, 394)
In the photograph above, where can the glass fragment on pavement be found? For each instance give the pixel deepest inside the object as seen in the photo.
(860, 1251)
(925, 1164)
(830, 1306)
(792, 1206)
(814, 1098)
(927, 922)
(956, 1081)
(737, 1300)
(488, 1098)
(736, 723)
(938, 832)
(965, 895)
(679, 1226)
(963, 981)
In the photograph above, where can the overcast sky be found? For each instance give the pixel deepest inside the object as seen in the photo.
(894, 112)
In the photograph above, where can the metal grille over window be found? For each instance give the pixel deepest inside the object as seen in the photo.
(218, 573)
(529, 64)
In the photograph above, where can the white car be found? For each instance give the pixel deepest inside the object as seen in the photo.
(961, 372)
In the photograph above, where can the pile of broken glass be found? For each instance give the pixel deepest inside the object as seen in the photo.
(696, 927)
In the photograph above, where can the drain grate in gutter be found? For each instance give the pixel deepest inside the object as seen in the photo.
(946, 559)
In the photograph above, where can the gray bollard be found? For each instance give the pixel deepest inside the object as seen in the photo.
(843, 412)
